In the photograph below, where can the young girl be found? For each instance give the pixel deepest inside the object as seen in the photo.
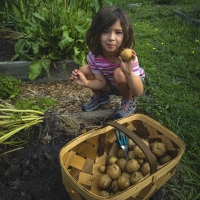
(106, 74)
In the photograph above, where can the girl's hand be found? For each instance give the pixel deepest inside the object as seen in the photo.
(78, 77)
(127, 67)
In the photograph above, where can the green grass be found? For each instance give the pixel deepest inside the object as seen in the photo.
(169, 51)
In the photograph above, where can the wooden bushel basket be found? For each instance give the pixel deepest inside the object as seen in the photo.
(80, 159)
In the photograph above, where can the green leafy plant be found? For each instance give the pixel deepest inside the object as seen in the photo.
(53, 33)
(17, 10)
(40, 104)
(51, 30)
(9, 87)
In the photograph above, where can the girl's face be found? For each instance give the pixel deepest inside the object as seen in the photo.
(111, 39)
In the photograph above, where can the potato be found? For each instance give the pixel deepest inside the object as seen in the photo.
(165, 159)
(158, 149)
(135, 177)
(120, 153)
(122, 164)
(145, 169)
(123, 182)
(112, 160)
(104, 194)
(102, 168)
(132, 166)
(126, 54)
(113, 171)
(114, 186)
(141, 161)
(104, 182)
(131, 144)
(131, 154)
(126, 174)
(138, 152)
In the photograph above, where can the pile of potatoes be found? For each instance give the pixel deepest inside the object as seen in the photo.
(119, 174)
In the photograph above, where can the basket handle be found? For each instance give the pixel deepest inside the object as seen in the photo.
(149, 155)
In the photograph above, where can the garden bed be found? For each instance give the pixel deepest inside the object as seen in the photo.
(19, 69)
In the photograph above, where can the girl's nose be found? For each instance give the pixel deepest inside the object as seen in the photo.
(112, 36)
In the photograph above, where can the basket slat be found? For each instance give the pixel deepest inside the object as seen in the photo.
(102, 159)
(152, 131)
(153, 190)
(88, 166)
(96, 169)
(85, 179)
(77, 162)
(94, 189)
(74, 173)
(167, 142)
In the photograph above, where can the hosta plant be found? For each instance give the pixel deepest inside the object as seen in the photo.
(55, 32)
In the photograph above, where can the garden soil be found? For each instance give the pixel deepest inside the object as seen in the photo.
(33, 173)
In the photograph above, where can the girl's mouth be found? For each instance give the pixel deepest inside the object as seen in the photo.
(110, 45)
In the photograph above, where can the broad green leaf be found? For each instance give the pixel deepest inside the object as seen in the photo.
(55, 55)
(80, 59)
(38, 16)
(79, 28)
(45, 62)
(35, 48)
(29, 30)
(66, 41)
(64, 66)
(15, 57)
(56, 32)
(76, 51)
(35, 69)
(47, 37)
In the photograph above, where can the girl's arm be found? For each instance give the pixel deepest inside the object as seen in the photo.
(134, 82)
(99, 81)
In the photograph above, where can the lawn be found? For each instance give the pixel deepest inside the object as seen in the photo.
(168, 49)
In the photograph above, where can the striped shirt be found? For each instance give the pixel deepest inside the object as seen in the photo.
(100, 65)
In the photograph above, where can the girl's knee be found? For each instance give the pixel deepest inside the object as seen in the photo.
(85, 69)
(119, 76)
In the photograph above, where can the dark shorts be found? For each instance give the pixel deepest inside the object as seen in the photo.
(114, 91)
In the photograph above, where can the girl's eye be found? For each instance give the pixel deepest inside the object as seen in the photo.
(119, 32)
(105, 31)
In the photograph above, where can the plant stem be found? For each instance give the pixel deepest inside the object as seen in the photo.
(22, 9)
(6, 136)
(25, 111)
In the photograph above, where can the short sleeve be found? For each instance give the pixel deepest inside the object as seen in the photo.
(91, 63)
(137, 70)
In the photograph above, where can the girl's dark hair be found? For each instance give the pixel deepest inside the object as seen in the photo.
(105, 18)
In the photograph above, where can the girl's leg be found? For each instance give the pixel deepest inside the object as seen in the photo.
(85, 69)
(128, 104)
(99, 96)
(122, 84)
